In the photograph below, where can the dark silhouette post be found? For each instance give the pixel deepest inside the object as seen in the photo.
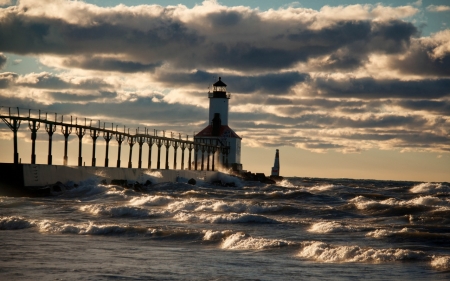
(107, 135)
(140, 141)
(34, 128)
(175, 144)
(167, 145)
(119, 138)
(213, 150)
(196, 148)
(66, 131)
(14, 125)
(203, 156)
(190, 146)
(94, 135)
(80, 131)
(131, 141)
(159, 144)
(150, 142)
(183, 147)
(50, 128)
(208, 151)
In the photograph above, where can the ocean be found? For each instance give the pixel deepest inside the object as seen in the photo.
(298, 229)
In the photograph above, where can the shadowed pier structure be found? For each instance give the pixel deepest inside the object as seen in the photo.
(14, 116)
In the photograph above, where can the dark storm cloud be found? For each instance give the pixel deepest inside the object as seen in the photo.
(3, 60)
(7, 79)
(64, 96)
(244, 41)
(370, 88)
(49, 81)
(108, 64)
(419, 61)
(436, 106)
(24, 35)
(272, 83)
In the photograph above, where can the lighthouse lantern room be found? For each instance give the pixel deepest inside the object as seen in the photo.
(218, 130)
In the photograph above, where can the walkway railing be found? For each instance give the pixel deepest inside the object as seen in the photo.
(14, 116)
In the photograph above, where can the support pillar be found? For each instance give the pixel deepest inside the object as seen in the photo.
(196, 148)
(94, 135)
(66, 131)
(131, 141)
(119, 138)
(140, 141)
(159, 144)
(175, 148)
(34, 128)
(208, 151)
(183, 147)
(150, 142)
(203, 156)
(80, 133)
(14, 125)
(167, 145)
(50, 128)
(190, 147)
(107, 136)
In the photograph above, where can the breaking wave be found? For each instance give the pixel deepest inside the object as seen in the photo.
(12, 223)
(243, 241)
(324, 252)
(116, 211)
(429, 187)
(331, 227)
(54, 227)
(225, 218)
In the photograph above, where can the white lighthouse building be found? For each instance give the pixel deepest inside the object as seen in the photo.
(218, 130)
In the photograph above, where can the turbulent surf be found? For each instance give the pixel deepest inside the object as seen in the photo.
(300, 228)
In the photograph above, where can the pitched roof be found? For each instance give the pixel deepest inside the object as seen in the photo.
(225, 132)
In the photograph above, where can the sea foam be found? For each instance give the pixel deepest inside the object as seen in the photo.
(324, 252)
(331, 227)
(10, 223)
(428, 187)
(243, 241)
(224, 218)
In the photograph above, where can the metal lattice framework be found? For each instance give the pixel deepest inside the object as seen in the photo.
(13, 118)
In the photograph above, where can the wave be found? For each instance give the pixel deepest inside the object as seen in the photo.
(13, 223)
(228, 218)
(54, 227)
(325, 187)
(243, 241)
(422, 203)
(428, 187)
(220, 206)
(324, 252)
(331, 227)
(155, 200)
(116, 211)
(441, 262)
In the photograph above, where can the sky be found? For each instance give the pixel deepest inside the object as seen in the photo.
(344, 88)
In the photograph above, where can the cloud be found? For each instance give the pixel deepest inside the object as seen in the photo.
(370, 88)
(7, 79)
(141, 38)
(45, 80)
(438, 8)
(3, 60)
(427, 56)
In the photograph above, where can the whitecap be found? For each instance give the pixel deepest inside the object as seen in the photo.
(330, 227)
(242, 241)
(10, 223)
(324, 252)
(429, 187)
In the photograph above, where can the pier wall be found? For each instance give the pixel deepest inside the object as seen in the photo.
(42, 175)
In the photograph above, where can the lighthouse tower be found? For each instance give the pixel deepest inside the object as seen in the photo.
(218, 130)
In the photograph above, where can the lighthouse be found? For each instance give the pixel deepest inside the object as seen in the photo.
(276, 165)
(218, 131)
